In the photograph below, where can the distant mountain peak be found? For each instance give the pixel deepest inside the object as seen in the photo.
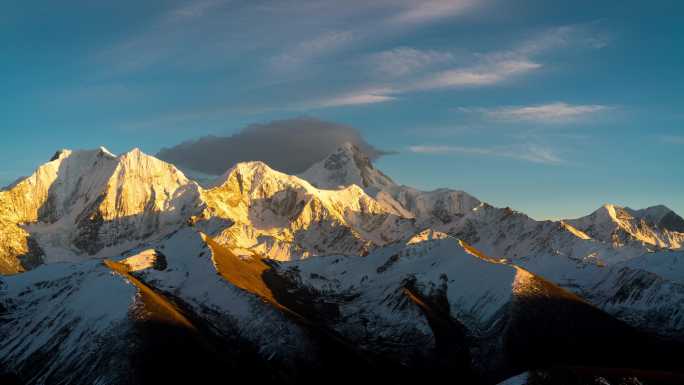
(652, 215)
(346, 166)
(655, 225)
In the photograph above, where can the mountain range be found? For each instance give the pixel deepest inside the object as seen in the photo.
(121, 269)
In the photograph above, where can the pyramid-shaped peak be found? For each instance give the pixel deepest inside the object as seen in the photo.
(652, 214)
(611, 212)
(355, 151)
(346, 166)
(246, 170)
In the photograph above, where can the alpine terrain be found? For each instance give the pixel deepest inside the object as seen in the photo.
(121, 269)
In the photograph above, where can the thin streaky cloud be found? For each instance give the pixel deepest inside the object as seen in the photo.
(577, 35)
(480, 75)
(211, 25)
(558, 112)
(350, 99)
(308, 50)
(529, 153)
(477, 76)
(427, 11)
(403, 61)
(409, 12)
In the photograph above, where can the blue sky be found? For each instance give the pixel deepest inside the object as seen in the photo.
(552, 108)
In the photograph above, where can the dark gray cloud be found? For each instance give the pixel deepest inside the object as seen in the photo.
(290, 146)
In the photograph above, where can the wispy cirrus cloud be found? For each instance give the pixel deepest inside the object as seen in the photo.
(480, 75)
(402, 61)
(528, 153)
(484, 74)
(417, 11)
(582, 36)
(392, 17)
(408, 69)
(311, 49)
(218, 31)
(557, 112)
(351, 99)
(327, 57)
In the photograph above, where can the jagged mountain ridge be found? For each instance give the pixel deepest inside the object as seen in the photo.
(94, 203)
(392, 304)
(657, 225)
(92, 192)
(116, 203)
(284, 217)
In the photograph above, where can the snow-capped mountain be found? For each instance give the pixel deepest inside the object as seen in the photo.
(348, 166)
(285, 217)
(657, 226)
(85, 203)
(345, 167)
(292, 276)
(579, 255)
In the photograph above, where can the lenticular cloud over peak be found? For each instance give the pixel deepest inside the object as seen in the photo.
(290, 145)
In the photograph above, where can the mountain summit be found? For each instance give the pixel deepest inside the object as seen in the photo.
(347, 166)
(657, 226)
(87, 202)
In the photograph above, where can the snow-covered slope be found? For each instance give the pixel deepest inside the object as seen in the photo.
(64, 323)
(647, 291)
(94, 322)
(420, 308)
